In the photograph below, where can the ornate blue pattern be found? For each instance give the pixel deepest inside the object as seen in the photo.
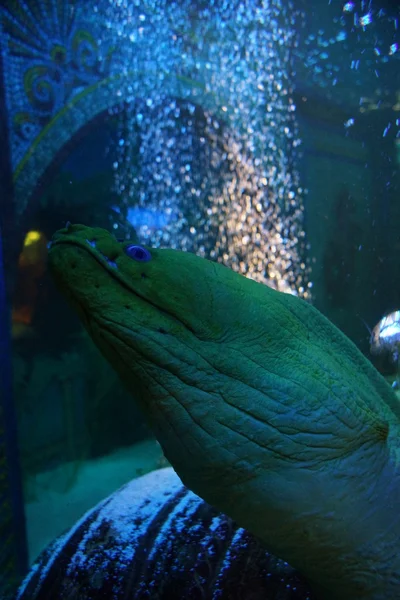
(51, 53)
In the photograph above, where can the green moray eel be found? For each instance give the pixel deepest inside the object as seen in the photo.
(263, 407)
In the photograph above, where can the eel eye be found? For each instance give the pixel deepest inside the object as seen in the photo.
(138, 253)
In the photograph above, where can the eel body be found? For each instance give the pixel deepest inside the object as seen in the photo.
(262, 406)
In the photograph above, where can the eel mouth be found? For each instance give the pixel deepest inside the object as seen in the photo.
(109, 266)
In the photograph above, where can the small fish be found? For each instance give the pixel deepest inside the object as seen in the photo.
(385, 336)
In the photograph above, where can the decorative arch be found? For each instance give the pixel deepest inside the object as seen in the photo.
(83, 108)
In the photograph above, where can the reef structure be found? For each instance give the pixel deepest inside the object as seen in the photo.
(155, 539)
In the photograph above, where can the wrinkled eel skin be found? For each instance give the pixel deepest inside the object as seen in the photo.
(262, 406)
